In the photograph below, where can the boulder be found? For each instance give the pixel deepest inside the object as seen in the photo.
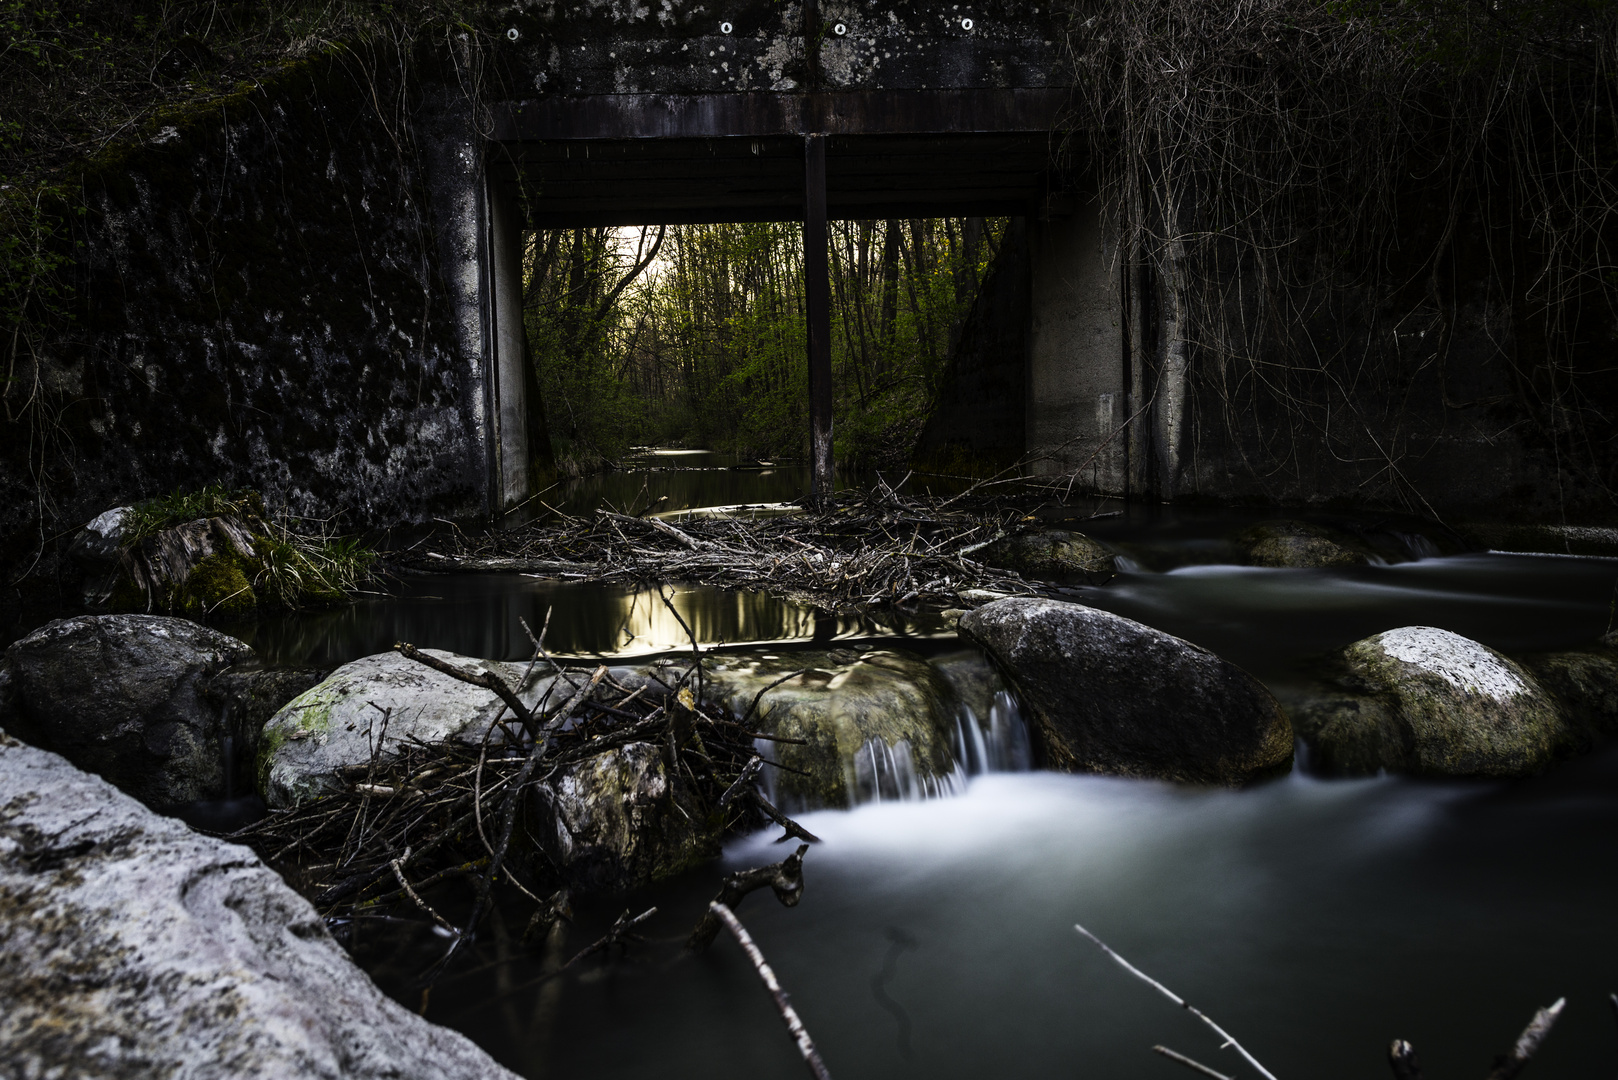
(1111, 695)
(1300, 544)
(371, 705)
(1052, 553)
(878, 724)
(96, 548)
(125, 696)
(1584, 682)
(136, 947)
(199, 568)
(620, 821)
(1427, 701)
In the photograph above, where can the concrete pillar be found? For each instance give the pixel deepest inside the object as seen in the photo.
(513, 478)
(1077, 398)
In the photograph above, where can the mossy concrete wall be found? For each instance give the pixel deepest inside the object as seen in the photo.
(259, 302)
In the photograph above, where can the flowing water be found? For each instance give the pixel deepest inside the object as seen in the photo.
(1315, 919)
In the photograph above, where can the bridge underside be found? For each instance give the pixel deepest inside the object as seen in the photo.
(639, 159)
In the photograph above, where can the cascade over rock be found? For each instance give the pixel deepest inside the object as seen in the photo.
(125, 696)
(874, 724)
(1300, 544)
(1110, 695)
(137, 947)
(1423, 700)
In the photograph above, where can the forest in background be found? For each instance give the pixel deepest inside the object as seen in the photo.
(693, 335)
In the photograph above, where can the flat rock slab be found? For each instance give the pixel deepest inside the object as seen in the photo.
(1111, 695)
(135, 947)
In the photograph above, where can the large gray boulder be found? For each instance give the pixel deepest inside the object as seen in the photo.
(372, 705)
(1426, 701)
(874, 724)
(125, 696)
(1111, 695)
(135, 947)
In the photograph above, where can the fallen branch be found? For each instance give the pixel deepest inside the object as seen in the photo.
(1507, 1066)
(486, 679)
(800, 1034)
(1228, 1039)
(785, 877)
(1190, 1063)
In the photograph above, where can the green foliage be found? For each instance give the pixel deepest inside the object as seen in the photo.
(695, 335)
(285, 569)
(178, 507)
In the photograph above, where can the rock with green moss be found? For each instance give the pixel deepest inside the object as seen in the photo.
(874, 724)
(1426, 701)
(199, 568)
(1111, 695)
(1051, 553)
(370, 706)
(1585, 683)
(1301, 545)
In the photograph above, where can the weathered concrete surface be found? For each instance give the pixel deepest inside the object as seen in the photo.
(1077, 391)
(1110, 695)
(1423, 700)
(125, 696)
(135, 947)
(258, 303)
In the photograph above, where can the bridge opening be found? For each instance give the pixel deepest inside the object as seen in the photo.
(776, 294)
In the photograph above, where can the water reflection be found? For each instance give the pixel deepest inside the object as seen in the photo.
(480, 615)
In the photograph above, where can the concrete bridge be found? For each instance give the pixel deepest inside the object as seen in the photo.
(603, 112)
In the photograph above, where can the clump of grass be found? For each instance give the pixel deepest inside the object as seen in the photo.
(178, 507)
(286, 568)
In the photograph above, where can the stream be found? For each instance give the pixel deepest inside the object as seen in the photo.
(1314, 919)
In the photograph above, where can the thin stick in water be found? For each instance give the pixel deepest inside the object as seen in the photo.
(1229, 1039)
(1191, 1063)
(800, 1034)
(1509, 1065)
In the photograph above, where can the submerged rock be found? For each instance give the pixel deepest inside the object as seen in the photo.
(619, 821)
(370, 706)
(1110, 695)
(1427, 701)
(1300, 544)
(875, 724)
(137, 947)
(1053, 553)
(1585, 683)
(125, 696)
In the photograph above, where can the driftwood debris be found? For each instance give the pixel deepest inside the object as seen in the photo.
(789, 1015)
(426, 815)
(784, 877)
(865, 550)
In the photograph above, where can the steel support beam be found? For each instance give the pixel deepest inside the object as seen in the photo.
(817, 293)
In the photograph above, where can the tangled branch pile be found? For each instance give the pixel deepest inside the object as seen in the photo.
(1314, 198)
(864, 549)
(406, 822)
